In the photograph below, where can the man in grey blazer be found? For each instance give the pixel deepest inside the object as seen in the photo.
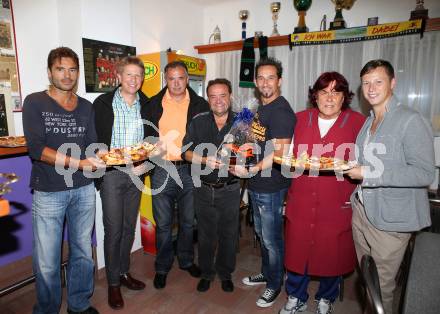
(396, 166)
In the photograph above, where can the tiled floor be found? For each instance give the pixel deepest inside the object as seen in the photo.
(180, 295)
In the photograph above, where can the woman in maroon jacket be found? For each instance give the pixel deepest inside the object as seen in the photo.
(318, 213)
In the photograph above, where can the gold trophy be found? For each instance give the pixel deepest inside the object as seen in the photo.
(302, 6)
(243, 15)
(275, 8)
(338, 21)
(419, 12)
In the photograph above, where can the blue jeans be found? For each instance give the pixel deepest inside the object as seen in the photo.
(296, 285)
(163, 213)
(49, 209)
(268, 223)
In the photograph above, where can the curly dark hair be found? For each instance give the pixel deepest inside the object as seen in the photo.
(270, 61)
(324, 80)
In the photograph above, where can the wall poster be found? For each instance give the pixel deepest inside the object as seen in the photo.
(100, 59)
(9, 74)
(6, 118)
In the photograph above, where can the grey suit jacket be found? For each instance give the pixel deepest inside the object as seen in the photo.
(400, 156)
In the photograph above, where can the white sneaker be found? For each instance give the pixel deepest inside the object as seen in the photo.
(254, 280)
(324, 306)
(293, 305)
(268, 297)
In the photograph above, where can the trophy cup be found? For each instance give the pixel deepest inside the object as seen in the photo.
(301, 6)
(243, 15)
(217, 35)
(5, 180)
(419, 12)
(275, 8)
(338, 21)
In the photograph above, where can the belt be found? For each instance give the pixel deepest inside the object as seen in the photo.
(219, 185)
(117, 167)
(178, 162)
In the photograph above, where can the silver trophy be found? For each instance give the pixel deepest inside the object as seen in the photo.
(243, 15)
(275, 9)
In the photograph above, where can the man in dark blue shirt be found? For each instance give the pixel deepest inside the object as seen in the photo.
(273, 128)
(59, 126)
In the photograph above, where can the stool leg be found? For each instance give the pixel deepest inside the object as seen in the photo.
(341, 290)
(64, 274)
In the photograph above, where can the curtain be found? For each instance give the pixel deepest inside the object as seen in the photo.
(416, 63)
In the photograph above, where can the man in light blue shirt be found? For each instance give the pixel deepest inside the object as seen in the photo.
(119, 124)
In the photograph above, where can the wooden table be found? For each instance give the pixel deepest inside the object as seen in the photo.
(422, 293)
(9, 151)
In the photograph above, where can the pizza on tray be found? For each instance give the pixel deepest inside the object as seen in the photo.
(12, 141)
(312, 162)
(127, 155)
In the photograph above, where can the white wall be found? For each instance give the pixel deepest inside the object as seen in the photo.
(31, 35)
(225, 15)
(158, 25)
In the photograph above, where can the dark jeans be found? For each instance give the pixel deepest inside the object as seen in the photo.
(217, 225)
(120, 206)
(163, 213)
(296, 285)
(268, 223)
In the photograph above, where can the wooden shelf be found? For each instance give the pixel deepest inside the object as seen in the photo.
(237, 45)
(431, 25)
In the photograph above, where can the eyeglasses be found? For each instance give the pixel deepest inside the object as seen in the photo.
(333, 93)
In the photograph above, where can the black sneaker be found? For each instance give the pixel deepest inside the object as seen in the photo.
(268, 297)
(254, 280)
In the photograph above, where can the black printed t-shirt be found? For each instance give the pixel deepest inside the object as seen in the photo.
(47, 124)
(273, 120)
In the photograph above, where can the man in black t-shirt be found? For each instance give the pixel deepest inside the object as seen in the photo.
(59, 127)
(217, 192)
(273, 128)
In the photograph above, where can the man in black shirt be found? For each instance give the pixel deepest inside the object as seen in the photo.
(217, 194)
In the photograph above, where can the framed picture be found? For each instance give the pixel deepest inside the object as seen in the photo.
(6, 118)
(100, 59)
(9, 73)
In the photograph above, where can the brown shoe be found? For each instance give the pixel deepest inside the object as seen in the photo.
(131, 283)
(115, 298)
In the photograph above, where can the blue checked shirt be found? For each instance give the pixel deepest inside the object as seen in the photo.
(127, 126)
